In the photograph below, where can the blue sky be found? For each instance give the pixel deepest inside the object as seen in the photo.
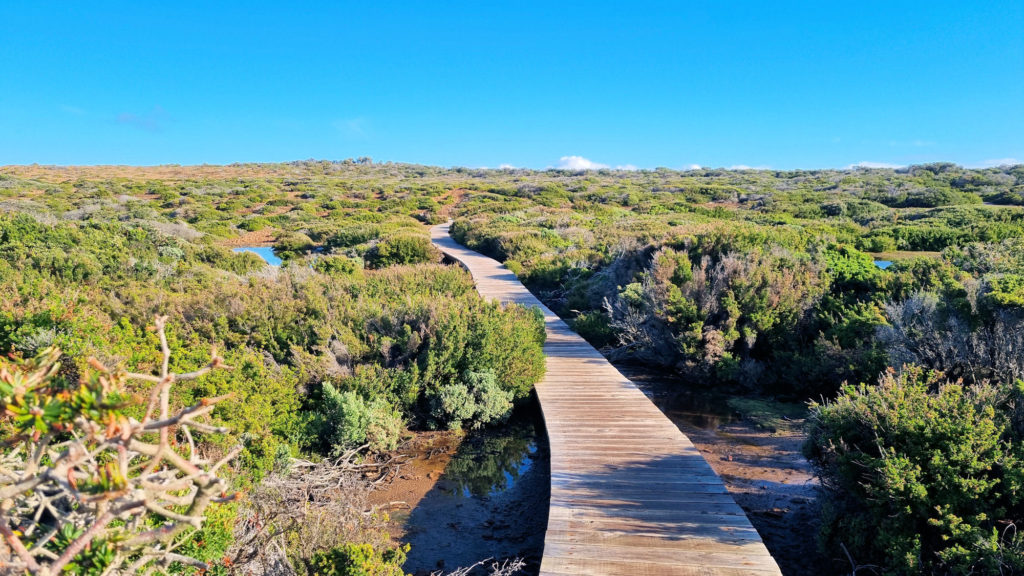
(531, 84)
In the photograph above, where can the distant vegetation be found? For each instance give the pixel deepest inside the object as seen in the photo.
(360, 334)
(760, 281)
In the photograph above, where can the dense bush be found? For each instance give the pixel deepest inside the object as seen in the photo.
(402, 249)
(924, 476)
(345, 420)
(476, 398)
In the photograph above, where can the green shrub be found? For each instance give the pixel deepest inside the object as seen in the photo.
(1008, 291)
(347, 420)
(451, 404)
(292, 245)
(595, 328)
(477, 398)
(359, 560)
(485, 336)
(253, 224)
(353, 236)
(338, 266)
(402, 249)
(923, 475)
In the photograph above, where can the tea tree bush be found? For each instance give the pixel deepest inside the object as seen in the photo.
(345, 420)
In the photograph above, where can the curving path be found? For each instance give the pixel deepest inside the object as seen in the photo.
(630, 494)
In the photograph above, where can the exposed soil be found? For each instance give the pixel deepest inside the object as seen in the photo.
(447, 207)
(764, 470)
(462, 498)
(256, 238)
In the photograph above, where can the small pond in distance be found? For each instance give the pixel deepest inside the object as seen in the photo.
(883, 264)
(265, 252)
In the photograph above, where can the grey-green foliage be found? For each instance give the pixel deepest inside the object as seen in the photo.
(451, 405)
(346, 420)
(476, 397)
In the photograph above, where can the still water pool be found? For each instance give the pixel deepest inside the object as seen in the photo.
(265, 252)
(489, 501)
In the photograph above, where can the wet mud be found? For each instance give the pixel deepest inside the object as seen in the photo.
(463, 498)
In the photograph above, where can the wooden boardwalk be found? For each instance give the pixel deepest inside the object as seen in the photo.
(630, 494)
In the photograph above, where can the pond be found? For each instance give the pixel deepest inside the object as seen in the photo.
(472, 497)
(883, 264)
(265, 252)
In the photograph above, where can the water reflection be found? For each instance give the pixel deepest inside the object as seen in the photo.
(489, 462)
(698, 407)
(491, 500)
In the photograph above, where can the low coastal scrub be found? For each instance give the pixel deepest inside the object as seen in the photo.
(923, 475)
(334, 355)
(761, 282)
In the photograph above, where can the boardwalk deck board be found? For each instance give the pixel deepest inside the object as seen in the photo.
(630, 494)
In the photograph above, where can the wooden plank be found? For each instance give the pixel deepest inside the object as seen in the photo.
(630, 494)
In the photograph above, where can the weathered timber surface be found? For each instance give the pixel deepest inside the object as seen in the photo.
(630, 494)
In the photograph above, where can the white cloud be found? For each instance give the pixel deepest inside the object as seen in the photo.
(866, 164)
(745, 167)
(694, 167)
(995, 162)
(626, 167)
(506, 167)
(578, 163)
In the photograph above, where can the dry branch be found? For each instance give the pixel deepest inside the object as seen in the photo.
(86, 484)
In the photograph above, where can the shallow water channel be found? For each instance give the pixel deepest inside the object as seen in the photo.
(465, 498)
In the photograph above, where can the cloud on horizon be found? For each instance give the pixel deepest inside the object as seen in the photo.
(579, 163)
